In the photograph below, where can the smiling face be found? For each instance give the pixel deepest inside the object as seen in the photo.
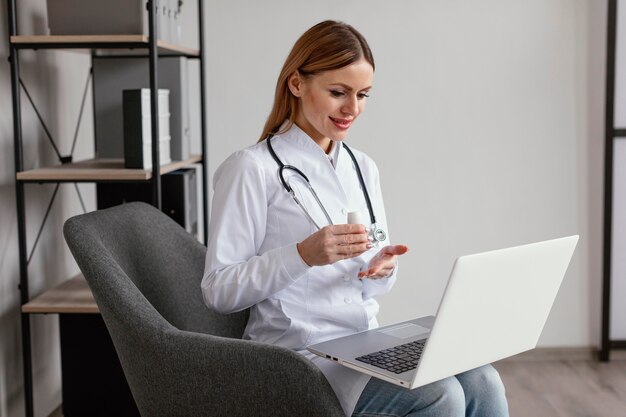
(331, 101)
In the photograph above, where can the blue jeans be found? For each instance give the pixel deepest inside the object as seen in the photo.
(475, 393)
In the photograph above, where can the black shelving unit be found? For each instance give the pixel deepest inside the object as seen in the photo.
(154, 49)
(612, 133)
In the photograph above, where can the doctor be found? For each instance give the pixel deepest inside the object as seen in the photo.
(278, 240)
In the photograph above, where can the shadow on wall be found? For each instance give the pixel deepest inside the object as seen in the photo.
(8, 227)
(11, 376)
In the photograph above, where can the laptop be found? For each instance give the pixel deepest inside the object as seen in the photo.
(495, 305)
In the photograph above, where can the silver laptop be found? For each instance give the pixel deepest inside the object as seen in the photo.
(495, 305)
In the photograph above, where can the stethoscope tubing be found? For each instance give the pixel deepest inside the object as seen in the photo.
(283, 167)
(362, 182)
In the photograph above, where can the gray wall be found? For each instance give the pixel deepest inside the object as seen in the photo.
(486, 121)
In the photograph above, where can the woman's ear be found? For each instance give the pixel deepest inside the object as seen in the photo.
(295, 84)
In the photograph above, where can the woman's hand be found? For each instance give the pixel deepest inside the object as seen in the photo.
(383, 263)
(334, 243)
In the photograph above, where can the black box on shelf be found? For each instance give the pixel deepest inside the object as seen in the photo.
(180, 199)
(179, 196)
(138, 128)
(113, 75)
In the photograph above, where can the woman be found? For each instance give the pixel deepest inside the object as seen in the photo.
(306, 274)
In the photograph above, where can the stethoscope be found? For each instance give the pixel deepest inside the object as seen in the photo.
(377, 233)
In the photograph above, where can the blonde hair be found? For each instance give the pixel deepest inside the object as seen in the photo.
(327, 46)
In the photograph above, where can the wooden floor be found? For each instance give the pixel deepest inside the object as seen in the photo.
(565, 387)
(559, 383)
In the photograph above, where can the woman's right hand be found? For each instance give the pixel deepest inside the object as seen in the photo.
(334, 243)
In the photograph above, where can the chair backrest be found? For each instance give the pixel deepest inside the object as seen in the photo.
(136, 250)
(145, 273)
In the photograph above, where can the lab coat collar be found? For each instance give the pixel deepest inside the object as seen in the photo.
(302, 139)
(333, 155)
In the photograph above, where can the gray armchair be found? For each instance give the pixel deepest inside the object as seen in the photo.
(180, 358)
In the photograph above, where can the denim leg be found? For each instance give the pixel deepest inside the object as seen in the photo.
(443, 398)
(484, 392)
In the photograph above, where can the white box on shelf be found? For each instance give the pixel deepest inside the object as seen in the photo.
(164, 153)
(170, 21)
(200, 200)
(113, 75)
(138, 128)
(176, 29)
(164, 127)
(163, 14)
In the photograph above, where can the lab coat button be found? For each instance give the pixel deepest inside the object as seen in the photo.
(344, 211)
(348, 300)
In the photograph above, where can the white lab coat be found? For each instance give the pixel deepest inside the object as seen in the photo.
(252, 259)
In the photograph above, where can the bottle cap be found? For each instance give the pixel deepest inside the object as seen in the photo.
(357, 217)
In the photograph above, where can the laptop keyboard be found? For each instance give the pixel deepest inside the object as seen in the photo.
(397, 359)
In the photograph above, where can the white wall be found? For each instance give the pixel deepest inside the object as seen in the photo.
(485, 121)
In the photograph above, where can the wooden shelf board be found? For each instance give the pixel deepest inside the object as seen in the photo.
(98, 170)
(71, 296)
(91, 42)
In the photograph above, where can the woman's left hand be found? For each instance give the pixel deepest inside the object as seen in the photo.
(383, 263)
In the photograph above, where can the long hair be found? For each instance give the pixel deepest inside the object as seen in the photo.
(327, 46)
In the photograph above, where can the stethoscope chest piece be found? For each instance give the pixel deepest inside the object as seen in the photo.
(378, 234)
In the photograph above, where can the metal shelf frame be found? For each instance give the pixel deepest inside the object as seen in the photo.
(155, 48)
(612, 133)
(140, 42)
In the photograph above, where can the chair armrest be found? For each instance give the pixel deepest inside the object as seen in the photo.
(216, 376)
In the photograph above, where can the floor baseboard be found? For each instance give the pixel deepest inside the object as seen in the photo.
(563, 354)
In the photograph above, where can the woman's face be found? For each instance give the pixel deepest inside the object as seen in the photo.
(331, 101)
